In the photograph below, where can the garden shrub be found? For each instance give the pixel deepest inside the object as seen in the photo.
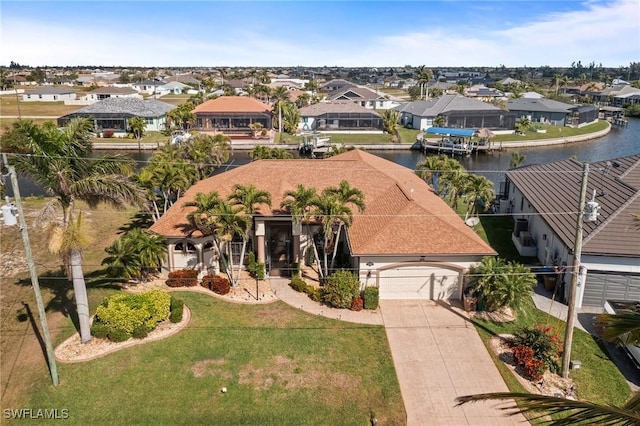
(296, 269)
(521, 354)
(357, 304)
(315, 293)
(183, 278)
(99, 330)
(545, 343)
(122, 314)
(371, 297)
(251, 263)
(260, 272)
(177, 310)
(534, 369)
(107, 134)
(298, 284)
(140, 332)
(341, 288)
(216, 283)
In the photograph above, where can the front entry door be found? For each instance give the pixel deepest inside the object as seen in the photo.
(279, 249)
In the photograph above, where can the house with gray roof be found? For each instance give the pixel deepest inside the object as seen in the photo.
(111, 92)
(364, 97)
(173, 88)
(544, 199)
(115, 113)
(336, 84)
(458, 111)
(339, 116)
(546, 111)
(49, 94)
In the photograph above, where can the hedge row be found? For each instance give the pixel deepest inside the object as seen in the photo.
(340, 291)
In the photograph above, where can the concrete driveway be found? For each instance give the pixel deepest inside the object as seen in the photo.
(438, 356)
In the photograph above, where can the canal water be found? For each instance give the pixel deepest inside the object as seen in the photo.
(620, 142)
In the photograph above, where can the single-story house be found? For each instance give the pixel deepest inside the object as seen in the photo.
(483, 93)
(49, 94)
(582, 115)
(363, 96)
(543, 110)
(147, 86)
(115, 113)
(458, 111)
(337, 116)
(615, 95)
(336, 84)
(172, 88)
(111, 92)
(232, 115)
(407, 241)
(544, 200)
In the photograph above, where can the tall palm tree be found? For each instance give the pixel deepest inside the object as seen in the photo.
(516, 159)
(249, 197)
(435, 166)
(182, 116)
(423, 75)
(345, 195)
(390, 118)
(299, 203)
(61, 162)
(480, 190)
(280, 94)
(455, 184)
(137, 126)
(290, 117)
(331, 212)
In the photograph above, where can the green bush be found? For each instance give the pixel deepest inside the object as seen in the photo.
(296, 269)
(251, 263)
(260, 273)
(99, 330)
(177, 310)
(183, 278)
(341, 288)
(500, 284)
(123, 314)
(544, 342)
(371, 296)
(140, 332)
(298, 284)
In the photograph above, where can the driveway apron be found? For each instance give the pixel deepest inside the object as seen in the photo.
(438, 356)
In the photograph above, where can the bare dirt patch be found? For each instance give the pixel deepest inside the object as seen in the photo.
(208, 367)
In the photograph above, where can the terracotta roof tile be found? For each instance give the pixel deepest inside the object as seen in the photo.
(232, 104)
(403, 215)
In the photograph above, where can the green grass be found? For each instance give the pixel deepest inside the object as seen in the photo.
(407, 136)
(278, 364)
(552, 133)
(149, 137)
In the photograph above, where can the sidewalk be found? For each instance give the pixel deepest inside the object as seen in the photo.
(585, 315)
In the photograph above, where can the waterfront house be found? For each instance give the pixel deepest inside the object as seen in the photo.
(544, 200)
(232, 115)
(363, 96)
(339, 116)
(115, 113)
(111, 92)
(407, 241)
(545, 111)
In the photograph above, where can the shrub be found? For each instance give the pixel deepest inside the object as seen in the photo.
(315, 293)
(298, 284)
(122, 314)
(251, 263)
(296, 269)
(521, 354)
(107, 134)
(544, 342)
(183, 278)
(534, 369)
(341, 288)
(140, 332)
(260, 272)
(177, 310)
(216, 283)
(357, 304)
(371, 297)
(99, 330)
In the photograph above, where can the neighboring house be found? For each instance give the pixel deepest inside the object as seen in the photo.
(172, 88)
(339, 116)
(111, 92)
(483, 93)
(289, 83)
(232, 115)
(458, 111)
(336, 84)
(115, 113)
(48, 94)
(582, 115)
(363, 96)
(510, 81)
(543, 110)
(544, 198)
(408, 241)
(615, 95)
(147, 86)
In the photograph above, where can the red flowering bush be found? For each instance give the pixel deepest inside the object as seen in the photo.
(216, 283)
(357, 304)
(183, 278)
(534, 369)
(545, 343)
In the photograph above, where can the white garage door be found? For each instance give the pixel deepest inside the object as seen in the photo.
(419, 282)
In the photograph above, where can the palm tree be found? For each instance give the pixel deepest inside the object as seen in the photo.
(390, 118)
(455, 184)
(345, 195)
(290, 117)
(479, 190)
(581, 412)
(330, 211)
(249, 197)
(137, 126)
(135, 254)
(121, 261)
(299, 203)
(182, 115)
(516, 159)
(206, 152)
(435, 166)
(62, 164)
(439, 121)
(423, 75)
(280, 94)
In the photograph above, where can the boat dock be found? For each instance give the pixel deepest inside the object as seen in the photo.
(454, 141)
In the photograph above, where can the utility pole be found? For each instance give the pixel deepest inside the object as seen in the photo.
(32, 269)
(575, 272)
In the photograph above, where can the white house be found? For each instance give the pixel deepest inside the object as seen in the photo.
(49, 94)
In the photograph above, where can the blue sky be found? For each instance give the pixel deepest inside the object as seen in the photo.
(333, 33)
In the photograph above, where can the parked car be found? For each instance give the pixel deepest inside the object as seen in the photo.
(618, 307)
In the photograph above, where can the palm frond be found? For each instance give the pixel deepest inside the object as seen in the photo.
(625, 326)
(579, 412)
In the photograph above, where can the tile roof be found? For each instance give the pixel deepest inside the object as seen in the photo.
(553, 190)
(135, 107)
(337, 106)
(233, 104)
(403, 215)
(48, 90)
(540, 105)
(354, 93)
(445, 103)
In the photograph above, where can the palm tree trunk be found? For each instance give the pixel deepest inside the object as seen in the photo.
(244, 247)
(80, 291)
(326, 266)
(229, 266)
(335, 246)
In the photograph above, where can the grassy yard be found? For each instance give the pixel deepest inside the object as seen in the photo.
(9, 106)
(552, 133)
(149, 137)
(279, 365)
(407, 136)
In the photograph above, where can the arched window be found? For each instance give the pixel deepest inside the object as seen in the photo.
(208, 246)
(190, 248)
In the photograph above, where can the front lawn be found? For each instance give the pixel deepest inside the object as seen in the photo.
(279, 365)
